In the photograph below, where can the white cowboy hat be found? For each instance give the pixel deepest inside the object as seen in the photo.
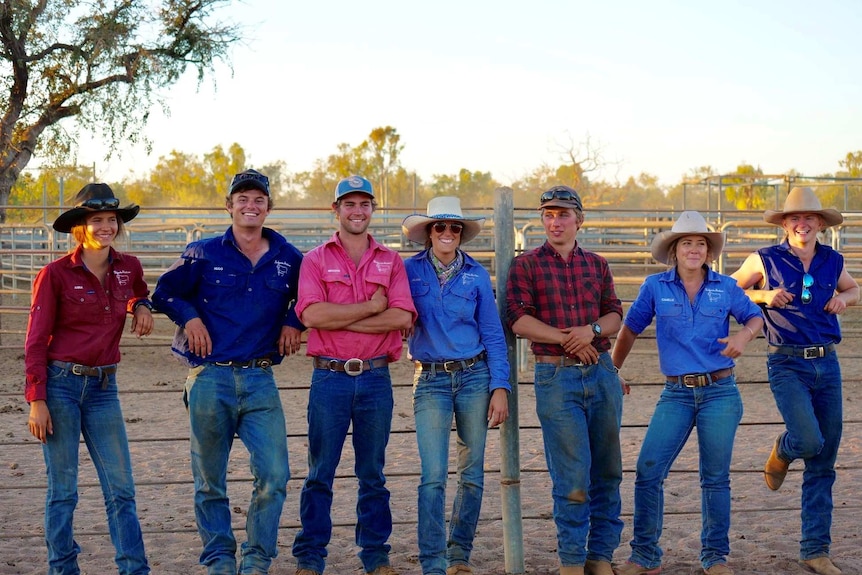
(802, 200)
(441, 208)
(689, 223)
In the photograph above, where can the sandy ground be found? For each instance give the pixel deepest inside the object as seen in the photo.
(764, 535)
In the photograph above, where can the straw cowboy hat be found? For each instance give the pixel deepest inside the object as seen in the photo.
(689, 223)
(802, 200)
(441, 208)
(91, 199)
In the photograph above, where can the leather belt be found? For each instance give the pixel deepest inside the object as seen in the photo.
(451, 366)
(560, 360)
(700, 379)
(353, 366)
(101, 371)
(810, 352)
(259, 362)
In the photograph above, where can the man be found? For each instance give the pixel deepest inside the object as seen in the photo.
(561, 297)
(355, 299)
(233, 297)
(802, 286)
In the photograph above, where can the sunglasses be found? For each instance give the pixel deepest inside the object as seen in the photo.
(560, 193)
(101, 204)
(440, 227)
(807, 284)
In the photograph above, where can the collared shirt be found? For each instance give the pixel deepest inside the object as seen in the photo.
(561, 293)
(687, 333)
(74, 318)
(243, 306)
(800, 323)
(329, 275)
(457, 320)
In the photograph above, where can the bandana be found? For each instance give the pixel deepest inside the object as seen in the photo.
(446, 272)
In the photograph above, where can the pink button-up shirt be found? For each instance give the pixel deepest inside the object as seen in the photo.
(329, 275)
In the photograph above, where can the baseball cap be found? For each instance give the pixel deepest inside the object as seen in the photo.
(353, 184)
(561, 197)
(249, 179)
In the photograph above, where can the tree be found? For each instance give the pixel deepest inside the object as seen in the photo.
(100, 64)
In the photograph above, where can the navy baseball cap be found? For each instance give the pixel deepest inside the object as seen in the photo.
(249, 180)
(351, 185)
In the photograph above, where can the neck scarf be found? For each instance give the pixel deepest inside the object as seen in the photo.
(446, 272)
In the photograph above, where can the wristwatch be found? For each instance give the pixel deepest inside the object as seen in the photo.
(597, 329)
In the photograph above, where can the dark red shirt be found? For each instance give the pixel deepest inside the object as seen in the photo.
(561, 293)
(74, 318)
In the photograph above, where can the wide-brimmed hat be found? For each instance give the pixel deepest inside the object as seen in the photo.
(441, 208)
(94, 198)
(689, 223)
(803, 200)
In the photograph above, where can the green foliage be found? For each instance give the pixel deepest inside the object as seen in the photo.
(99, 64)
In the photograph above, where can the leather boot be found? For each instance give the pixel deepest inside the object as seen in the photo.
(822, 565)
(572, 570)
(776, 467)
(595, 567)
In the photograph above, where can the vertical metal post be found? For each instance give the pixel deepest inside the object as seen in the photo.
(510, 460)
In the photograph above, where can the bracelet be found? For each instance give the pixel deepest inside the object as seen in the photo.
(751, 331)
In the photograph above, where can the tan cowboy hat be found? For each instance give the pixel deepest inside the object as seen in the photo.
(441, 208)
(91, 199)
(689, 223)
(803, 200)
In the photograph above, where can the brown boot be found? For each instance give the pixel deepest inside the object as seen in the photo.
(822, 565)
(572, 570)
(459, 569)
(594, 567)
(775, 469)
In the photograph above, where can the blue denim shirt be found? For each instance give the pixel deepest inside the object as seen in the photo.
(242, 306)
(687, 334)
(457, 320)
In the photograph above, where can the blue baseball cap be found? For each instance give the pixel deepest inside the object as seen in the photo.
(351, 185)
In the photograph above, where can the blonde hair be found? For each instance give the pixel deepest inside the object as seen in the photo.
(79, 231)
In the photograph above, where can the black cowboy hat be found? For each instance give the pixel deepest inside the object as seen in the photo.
(94, 198)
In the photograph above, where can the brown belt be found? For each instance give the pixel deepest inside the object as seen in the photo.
(700, 379)
(450, 366)
(353, 366)
(560, 360)
(102, 371)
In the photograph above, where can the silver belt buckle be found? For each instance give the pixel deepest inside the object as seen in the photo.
(812, 352)
(353, 366)
(452, 369)
(693, 380)
(264, 363)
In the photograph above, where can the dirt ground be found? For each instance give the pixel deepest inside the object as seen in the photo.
(764, 534)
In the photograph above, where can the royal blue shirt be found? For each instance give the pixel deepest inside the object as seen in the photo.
(242, 306)
(457, 320)
(800, 323)
(687, 333)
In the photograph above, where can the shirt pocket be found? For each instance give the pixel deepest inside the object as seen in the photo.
(82, 306)
(461, 301)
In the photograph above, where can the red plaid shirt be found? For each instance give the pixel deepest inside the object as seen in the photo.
(561, 293)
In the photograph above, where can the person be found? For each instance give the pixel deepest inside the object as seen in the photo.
(462, 370)
(78, 312)
(561, 297)
(355, 300)
(692, 306)
(803, 285)
(232, 297)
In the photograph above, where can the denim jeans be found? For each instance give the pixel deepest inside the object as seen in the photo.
(716, 411)
(337, 400)
(808, 395)
(224, 401)
(80, 405)
(438, 395)
(580, 410)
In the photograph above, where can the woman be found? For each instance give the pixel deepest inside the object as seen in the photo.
(803, 286)
(78, 311)
(692, 306)
(462, 369)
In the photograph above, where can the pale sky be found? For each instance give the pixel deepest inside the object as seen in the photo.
(501, 86)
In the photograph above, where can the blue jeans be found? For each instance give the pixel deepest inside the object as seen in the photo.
(438, 395)
(225, 401)
(716, 411)
(580, 410)
(80, 405)
(337, 400)
(808, 395)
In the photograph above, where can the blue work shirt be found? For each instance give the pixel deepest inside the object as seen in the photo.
(242, 306)
(687, 333)
(457, 320)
